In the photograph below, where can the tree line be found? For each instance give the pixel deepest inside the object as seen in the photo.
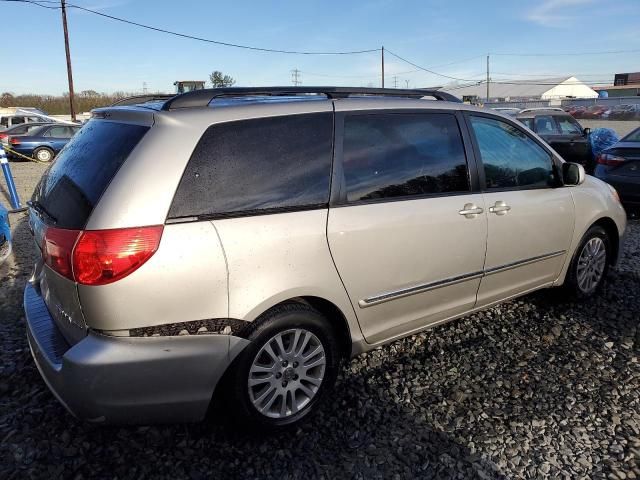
(84, 101)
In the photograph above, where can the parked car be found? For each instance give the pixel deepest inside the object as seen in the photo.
(544, 109)
(565, 135)
(243, 240)
(45, 142)
(5, 234)
(595, 111)
(624, 112)
(21, 129)
(576, 111)
(11, 120)
(512, 112)
(619, 166)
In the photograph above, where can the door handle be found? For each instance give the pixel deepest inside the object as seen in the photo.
(470, 210)
(500, 208)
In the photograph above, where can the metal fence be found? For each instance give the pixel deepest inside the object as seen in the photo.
(520, 104)
(611, 101)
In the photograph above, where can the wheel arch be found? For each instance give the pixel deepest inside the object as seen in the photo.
(611, 229)
(331, 312)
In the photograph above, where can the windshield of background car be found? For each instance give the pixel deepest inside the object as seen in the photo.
(632, 137)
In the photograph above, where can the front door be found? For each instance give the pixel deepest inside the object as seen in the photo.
(530, 217)
(408, 233)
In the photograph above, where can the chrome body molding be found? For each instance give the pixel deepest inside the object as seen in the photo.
(425, 287)
(521, 263)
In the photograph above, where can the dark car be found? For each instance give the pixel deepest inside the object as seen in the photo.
(22, 129)
(44, 143)
(565, 135)
(619, 166)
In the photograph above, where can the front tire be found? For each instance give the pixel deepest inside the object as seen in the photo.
(43, 154)
(590, 263)
(287, 369)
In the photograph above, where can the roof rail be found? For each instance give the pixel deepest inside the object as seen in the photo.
(138, 99)
(202, 98)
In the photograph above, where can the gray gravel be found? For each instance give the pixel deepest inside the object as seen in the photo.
(540, 387)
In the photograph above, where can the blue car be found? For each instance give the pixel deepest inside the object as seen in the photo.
(619, 166)
(43, 143)
(5, 234)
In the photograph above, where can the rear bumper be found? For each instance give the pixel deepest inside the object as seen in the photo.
(124, 379)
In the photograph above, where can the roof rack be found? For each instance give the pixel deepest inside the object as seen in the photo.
(202, 98)
(138, 99)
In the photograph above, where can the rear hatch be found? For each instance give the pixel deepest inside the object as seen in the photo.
(61, 206)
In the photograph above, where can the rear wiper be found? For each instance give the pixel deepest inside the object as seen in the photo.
(38, 207)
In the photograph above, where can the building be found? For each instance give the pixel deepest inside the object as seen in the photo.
(522, 90)
(624, 85)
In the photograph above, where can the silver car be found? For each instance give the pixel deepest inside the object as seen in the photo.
(244, 241)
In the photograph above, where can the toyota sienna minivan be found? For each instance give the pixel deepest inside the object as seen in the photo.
(244, 241)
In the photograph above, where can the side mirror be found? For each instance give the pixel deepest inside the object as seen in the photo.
(573, 174)
(586, 131)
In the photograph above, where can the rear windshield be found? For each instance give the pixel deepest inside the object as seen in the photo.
(71, 187)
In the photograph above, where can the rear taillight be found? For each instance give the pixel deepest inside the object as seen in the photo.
(609, 160)
(98, 257)
(14, 141)
(104, 256)
(57, 246)
(3, 135)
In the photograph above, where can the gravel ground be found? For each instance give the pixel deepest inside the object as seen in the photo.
(540, 387)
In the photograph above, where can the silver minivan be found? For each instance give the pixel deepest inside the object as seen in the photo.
(244, 241)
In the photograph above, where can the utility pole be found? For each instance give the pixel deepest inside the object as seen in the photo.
(295, 77)
(407, 83)
(382, 66)
(395, 82)
(66, 47)
(144, 88)
(488, 78)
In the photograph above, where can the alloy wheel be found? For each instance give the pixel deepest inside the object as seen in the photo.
(287, 373)
(591, 264)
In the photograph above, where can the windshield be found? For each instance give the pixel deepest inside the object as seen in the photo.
(632, 137)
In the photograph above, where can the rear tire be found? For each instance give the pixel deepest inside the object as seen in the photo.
(43, 154)
(590, 264)
(286, 371)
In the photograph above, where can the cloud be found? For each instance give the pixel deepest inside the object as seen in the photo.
(556, 13)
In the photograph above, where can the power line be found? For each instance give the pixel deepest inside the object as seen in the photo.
(192, 37)
(427, 70)
(564, 54)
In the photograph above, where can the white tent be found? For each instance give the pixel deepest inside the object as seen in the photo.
(544, 88)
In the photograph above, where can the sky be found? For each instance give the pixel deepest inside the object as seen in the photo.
(450, 37)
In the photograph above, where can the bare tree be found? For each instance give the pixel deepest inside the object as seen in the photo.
(219, 79)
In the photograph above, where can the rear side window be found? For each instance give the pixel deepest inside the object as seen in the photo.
(403, 155)
(258, 165)
(71, 187)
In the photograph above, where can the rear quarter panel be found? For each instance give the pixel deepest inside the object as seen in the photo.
(273, 258)
(185, 280)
